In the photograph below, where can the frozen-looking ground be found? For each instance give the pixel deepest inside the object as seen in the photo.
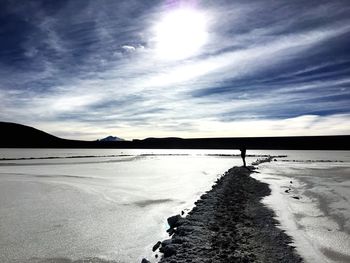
(311, 195)
(106, 204)
(59, 205)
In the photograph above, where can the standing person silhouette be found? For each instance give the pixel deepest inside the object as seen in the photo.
(243, 151)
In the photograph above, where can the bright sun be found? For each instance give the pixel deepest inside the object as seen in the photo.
(180, 34)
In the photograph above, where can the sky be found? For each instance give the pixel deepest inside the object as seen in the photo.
(86, 69)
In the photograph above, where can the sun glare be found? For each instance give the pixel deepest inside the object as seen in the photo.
(180, 34)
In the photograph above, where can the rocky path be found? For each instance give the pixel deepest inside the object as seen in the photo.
(229, 224)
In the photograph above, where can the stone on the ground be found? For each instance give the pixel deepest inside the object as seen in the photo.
(166, 242)
(172, 221)
(156, 246)
(169, 250)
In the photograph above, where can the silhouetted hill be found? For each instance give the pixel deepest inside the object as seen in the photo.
(19, 136)
(15, 135)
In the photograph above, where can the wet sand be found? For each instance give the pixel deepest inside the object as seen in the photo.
(230, 224)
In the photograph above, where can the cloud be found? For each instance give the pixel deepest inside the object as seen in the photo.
(91, 66)
(128, 48)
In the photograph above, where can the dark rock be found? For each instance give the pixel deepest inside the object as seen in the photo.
(172, 221)
(156, 246)
(286, 191)
(296, 197)
(170, 231)
(181, 221)
(169, 250)
(166, 242)
(214, 228)
(187, 245)
(144, 260)
(182, 212)
(156, 256)
(184, 230)
(178, 240)
(291, 182)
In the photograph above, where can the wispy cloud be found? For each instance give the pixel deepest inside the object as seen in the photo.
(85, 69)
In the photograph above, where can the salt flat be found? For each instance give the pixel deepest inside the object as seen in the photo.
(311, 194)
(111, 208)
(112, 205)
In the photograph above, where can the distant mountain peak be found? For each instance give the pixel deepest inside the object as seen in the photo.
(111, 139)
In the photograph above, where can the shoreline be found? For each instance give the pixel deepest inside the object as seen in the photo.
(229, 224)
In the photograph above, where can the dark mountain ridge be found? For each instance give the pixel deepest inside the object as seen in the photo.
(14, 135)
